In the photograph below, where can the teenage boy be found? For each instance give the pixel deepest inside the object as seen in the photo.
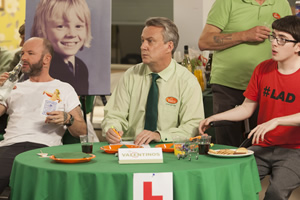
(274, 86)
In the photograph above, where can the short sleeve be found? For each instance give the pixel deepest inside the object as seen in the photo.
(219, 13)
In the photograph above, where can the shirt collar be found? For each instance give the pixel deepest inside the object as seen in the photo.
(267, 2)
(166, 73)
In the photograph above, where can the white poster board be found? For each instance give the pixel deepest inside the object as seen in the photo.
(95, 60)
(153, 186)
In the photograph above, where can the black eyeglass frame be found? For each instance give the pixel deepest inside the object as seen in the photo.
(272, 38)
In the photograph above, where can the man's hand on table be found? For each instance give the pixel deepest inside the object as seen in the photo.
(145, 137)
(112, 137)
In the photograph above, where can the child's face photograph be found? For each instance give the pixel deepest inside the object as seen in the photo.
(66, 33)
(82, 54)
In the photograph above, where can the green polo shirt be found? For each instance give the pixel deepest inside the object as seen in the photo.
(233, 67)
(180, 105)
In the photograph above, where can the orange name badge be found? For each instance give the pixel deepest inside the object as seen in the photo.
(276, 16)
(171, 100)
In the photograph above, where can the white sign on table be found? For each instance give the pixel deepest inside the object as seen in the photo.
(140, 155)
(153, 186)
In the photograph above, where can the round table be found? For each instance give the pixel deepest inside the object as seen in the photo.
(208, 178)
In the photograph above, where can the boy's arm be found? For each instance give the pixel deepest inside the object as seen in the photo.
(238, 113)
(290, 120)
(259, 131)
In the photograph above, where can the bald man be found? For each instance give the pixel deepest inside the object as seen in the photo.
(39, 109)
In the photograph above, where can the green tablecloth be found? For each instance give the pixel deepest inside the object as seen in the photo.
(208, 178)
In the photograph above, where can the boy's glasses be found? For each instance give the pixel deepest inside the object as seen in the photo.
(280, 41)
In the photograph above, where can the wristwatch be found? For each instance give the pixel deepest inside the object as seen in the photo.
(71, 121)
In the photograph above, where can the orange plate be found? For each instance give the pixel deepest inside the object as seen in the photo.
(114, 147)
(166, 147)
(72, 160)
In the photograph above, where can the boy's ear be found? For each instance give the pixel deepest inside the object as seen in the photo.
(297, 50)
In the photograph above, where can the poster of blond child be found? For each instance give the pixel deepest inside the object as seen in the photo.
(82, 50)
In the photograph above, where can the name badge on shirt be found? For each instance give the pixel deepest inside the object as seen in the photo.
(48, 106)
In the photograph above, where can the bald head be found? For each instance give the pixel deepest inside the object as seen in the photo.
(44, 43)
(36, 56)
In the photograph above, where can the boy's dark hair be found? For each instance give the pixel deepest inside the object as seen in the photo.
(289, 24)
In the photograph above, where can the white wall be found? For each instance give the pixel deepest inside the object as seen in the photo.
(135, 12)
(190, 17)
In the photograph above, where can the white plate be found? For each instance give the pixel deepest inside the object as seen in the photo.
(233, 155)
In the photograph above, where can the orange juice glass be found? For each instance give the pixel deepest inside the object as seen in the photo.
(199, 75)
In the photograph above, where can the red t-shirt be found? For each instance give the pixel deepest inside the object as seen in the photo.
(277, 95)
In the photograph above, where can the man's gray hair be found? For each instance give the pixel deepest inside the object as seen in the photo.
(170, 32)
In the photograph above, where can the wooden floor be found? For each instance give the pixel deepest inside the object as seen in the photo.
(5, 194)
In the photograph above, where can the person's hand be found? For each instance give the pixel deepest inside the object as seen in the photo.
(257, 34)
(55, 117)
(145, 137)
(3, 78)
(260, 131)
(112, 137)
(204, 125)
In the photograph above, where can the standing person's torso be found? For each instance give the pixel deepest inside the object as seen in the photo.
(233, 66)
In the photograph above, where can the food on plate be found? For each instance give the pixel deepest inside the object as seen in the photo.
(212, 151)
(222, 151)
(241, 150)
(225, 152)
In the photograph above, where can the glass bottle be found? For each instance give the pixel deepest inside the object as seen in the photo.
(208, 68)
(199, 73)
(186, 60)
(9, 84)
